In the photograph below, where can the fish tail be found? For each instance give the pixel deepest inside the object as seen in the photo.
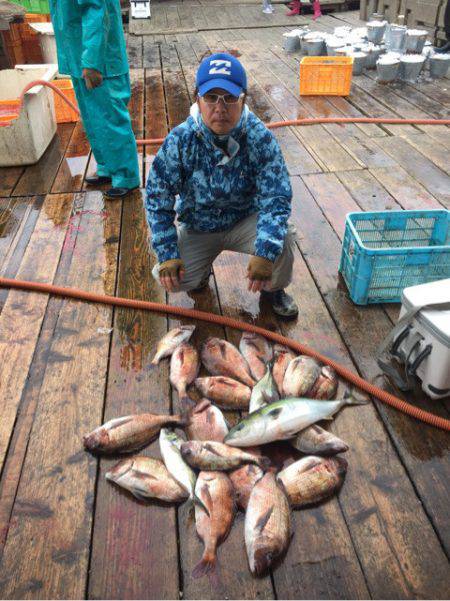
(206, 565)
(155, 360)
(351, 398)
(197, 501)
(186, 404)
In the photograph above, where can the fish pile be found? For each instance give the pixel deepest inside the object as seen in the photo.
(221, 470)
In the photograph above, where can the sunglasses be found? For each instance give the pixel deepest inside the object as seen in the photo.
(210, 98)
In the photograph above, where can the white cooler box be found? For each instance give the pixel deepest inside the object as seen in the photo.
(140, 9)
(423, 344)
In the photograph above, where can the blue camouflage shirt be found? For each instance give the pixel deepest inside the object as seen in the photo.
(210, 190)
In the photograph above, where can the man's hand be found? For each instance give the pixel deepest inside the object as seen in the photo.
(171, 273)
(92, 78)
(259, 273)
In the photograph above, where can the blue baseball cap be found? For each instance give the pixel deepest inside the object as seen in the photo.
(221, 70)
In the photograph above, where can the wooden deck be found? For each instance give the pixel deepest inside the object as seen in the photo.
(68, 366)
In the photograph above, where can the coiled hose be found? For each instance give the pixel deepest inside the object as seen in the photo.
(382, 395)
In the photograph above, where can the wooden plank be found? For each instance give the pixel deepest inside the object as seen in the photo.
(73, 166)
(136, 108)
(173, 18)
(185, 16)
(434, 89)
(367, 191)
(56, 491)
(177, 97)
(405, 189)
(151, 54)
(13, 212)
(134, 51)
(19, 441)
(402, 107)
(430, 149)
(155, 114)
(16, 346)
(414, 97)
(130, 537)
(9, 176)
(419, 167)
(315, 567)
(38, 178)
(401, 513)
(11, 262)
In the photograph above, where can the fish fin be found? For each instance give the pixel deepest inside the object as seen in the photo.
(206, 565)
(201, 406)
(264, 463)
(197, 501)
(350, 398)
(143, 476)
(274, 413)
(261, 523)
(212, 450)
(139, 494)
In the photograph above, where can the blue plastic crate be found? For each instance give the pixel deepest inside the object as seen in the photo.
(384, 252)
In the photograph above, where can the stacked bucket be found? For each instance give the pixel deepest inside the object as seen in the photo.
(396, 52)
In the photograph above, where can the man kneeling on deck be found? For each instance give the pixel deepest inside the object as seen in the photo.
(233, 192)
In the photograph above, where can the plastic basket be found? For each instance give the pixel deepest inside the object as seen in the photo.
(326, 75)
(34, 6)
(63, 112)
(32, 51)
(13, 49)
(9, 110)
(387, 251)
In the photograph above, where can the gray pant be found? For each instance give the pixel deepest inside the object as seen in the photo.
(199, 249)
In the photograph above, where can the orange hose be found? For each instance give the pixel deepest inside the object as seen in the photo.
(382, 395)
(273, 125)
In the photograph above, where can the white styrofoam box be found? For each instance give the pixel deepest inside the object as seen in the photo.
(431, 329)
(25, 140)
(140, 9)
(47, 41)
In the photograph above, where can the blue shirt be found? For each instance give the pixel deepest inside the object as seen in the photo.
(211, 190)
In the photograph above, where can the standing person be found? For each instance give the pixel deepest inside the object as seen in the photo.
(91, 49)
(233, 192)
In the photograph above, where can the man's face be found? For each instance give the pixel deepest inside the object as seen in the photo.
(221, 117)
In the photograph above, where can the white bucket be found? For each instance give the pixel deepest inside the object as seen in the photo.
(439, 64)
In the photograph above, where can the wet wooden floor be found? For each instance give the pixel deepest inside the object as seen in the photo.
(68, 366)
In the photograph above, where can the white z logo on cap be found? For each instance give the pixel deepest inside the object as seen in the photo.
(222, 67)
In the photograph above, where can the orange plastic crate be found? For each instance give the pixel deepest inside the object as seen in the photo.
(13, 49)
(63, 112)
(326, 75)
(9, 110)
(32, 51)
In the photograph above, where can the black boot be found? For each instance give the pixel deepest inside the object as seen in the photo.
(443, 49)
(97, 180)
(282, 303)
(113, 193)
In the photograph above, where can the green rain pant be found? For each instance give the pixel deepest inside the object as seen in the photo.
(108, 127)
